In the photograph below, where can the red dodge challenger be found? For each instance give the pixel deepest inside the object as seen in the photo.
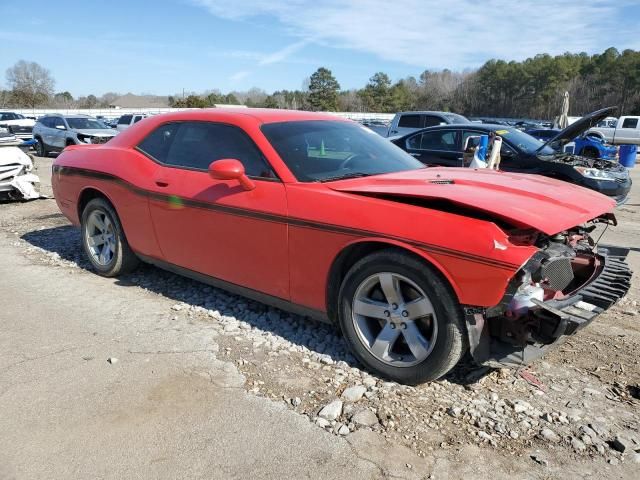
(321, 216)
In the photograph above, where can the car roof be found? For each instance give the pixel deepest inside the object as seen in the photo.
(428, 112)
(260, 115)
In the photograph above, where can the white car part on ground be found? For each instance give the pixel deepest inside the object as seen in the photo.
(16, 179)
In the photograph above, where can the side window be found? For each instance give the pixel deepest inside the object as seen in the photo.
(58, 122)
(443, 140)
(44, 122)
(196, 144)
(469, 133)
(432, 121)
(124, 120)
(630, 123)
(409, 121)
(158, 142)
(137, 118)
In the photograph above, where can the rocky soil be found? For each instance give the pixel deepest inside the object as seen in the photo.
(580, 404)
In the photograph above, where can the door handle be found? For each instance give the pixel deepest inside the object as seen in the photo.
(414, 154)
(162, 183)
(393, 131)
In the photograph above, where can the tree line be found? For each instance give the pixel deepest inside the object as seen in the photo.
(531, 88)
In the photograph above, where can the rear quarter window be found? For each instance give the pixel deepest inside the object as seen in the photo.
(409, 121)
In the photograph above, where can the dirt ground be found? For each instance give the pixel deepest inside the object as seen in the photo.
(156, 376)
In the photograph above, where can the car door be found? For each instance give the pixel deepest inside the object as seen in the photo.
(216, 227)
(436, 147)
(629, 131)
(58, 132)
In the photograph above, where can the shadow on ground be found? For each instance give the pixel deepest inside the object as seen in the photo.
(321, 338)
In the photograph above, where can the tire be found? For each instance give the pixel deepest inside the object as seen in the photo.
(434, 328)
(41, 149)
(113, 256)
(590, 152)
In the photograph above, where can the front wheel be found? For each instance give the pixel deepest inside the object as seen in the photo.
(400, 318)
(41, 150)
(103, 240)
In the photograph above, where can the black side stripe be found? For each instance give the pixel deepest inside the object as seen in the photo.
(268, 217)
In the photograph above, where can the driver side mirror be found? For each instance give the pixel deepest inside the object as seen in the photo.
(230, 169)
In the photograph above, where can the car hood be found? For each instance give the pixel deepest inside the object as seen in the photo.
(545, 204)
(578, 127)
(14, 156)
(97, 132)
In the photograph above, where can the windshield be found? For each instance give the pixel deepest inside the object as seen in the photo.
(524, 142)
(11, 116)
(85, 124)
(323, 150)
(455, 118)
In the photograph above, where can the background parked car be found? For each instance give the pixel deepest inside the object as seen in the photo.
(587, 145)
(55, 132)
(17, 124)
(125, 121)
(407, 122)
(520, 152)
(625, 132)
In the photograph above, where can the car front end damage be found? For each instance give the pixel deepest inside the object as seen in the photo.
(559, 291)
(17, 182)
(604, 176)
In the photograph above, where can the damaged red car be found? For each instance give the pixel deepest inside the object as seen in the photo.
(320, 216)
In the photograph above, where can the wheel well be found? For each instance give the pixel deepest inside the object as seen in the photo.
(348, 257)
(86, 196)
(70, 142)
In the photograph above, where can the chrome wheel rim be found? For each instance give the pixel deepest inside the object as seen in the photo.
(100, 237)
(394, 319)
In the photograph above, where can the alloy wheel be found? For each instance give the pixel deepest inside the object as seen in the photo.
(394, 319)
(100, 237)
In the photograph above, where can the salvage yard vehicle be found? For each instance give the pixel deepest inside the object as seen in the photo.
(407, 122)
(17, 180)
(320, 216)
(17, 124)
(125, 121)
(522, 153)
(55, 132)
(586, 145)
(626, 131)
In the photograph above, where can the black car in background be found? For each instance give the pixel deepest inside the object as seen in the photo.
(520, 152)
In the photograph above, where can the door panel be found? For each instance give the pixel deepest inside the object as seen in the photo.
(219, 229)
(438, 147)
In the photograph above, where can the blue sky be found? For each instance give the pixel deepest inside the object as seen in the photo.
(163, 46)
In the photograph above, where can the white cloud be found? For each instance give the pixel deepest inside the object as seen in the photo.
(282, 54)
(239, 75)
(437, 34)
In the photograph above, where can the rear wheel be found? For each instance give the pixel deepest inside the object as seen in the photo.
(400, 318)
(103, 240)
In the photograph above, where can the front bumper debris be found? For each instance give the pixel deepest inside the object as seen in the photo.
(555, 320)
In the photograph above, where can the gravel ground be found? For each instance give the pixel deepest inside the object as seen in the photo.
(576, 413)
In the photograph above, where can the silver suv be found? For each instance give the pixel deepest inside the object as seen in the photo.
(55, 132)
